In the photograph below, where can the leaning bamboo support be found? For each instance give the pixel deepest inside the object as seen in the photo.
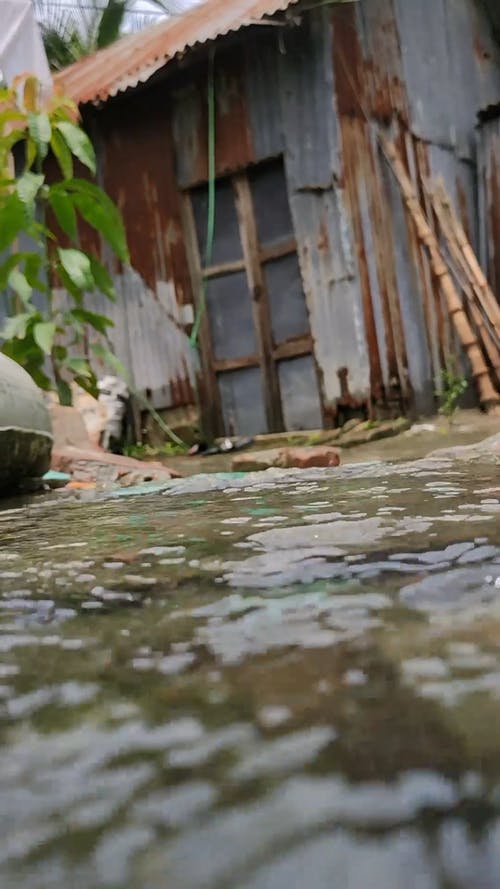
(487, 335)
(482, 288)
(488, 395)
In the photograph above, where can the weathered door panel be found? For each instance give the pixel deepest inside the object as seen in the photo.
(260, 338)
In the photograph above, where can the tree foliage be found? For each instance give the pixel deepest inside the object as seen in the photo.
(71, 32)
(49, 337)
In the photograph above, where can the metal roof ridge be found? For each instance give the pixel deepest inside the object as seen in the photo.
(136, 57)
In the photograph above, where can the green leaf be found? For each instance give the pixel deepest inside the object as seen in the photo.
(77, 266)
(13, 220)
(88, 384)
(64, 211)
(34, 264)
(15, 327)
(98, 322)
(10, 115)
(68, 284)
(11, 262)
(40, 131)
(62, 154)
(60, 353)
(28, 186)
(20, 285)
(103, 279)
(101, 213)
(31, 152)
(79, 366)
(43, 334)
(79, 143)
(65, 393)
(111, 360)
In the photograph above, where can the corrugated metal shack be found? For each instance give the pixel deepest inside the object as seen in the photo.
(489, 192)
(317, 297)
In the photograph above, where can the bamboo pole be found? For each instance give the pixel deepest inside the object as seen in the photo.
(476, 274)
(488, 395)
(489, 342)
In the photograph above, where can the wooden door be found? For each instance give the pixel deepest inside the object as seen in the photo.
(257, 341)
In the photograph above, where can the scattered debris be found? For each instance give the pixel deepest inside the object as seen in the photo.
(91, 465)
(421, 428)
(363, 433)
(222, 446)
(287, 458)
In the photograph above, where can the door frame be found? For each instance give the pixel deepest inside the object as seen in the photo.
(268, 355)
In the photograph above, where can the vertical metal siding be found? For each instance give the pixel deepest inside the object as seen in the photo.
(136, 167)
(489, 194)
(262, 54)
(317, 92)
(306, 87)
(332, 292)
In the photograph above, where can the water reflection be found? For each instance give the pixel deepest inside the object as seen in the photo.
(254, 684)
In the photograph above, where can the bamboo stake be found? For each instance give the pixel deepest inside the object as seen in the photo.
(488, 396)
(490, 346)
(482, 287)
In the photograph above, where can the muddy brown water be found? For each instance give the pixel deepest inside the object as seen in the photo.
(283, 680)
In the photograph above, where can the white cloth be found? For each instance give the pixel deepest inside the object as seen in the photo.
(21, 45)
(113, 394)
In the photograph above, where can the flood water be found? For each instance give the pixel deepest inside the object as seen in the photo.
(276, 682)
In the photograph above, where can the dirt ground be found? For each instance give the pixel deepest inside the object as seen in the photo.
(469, 427)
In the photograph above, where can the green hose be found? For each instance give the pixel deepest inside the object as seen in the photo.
(211, 196)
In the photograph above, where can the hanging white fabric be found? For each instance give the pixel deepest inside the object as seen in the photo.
(21, 45)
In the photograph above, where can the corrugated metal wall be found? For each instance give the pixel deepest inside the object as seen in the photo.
(133, 139)
(316, 93)
(489, 195)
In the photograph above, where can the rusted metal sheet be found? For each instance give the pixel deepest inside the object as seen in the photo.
(262, 59)
(248, 126)
(137, 170)
(489, 194)
(135, 58)
(306, 89)
(383, 80)
(148, 341)
(447, 50)
(333, 297)
(233, 134)
(136, 166)
(365, 90)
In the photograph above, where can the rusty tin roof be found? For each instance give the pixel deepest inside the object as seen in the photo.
(136, 57)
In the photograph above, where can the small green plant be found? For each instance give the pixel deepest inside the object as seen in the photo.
(453, 387)
(145, 451)
(39, 241)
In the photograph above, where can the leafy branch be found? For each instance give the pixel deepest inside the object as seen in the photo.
(48, 338)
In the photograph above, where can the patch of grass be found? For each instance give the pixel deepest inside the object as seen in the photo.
(454, 387)
(148, 452)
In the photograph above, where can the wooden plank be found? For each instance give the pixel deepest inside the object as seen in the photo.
(293, 348)
(386, 275)
(260, 302)
(207, 394)
(353, 142)
(277, 251)
(226, 364)
(224, 268)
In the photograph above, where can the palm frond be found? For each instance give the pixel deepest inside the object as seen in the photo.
(111, 22)
(72, 29)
